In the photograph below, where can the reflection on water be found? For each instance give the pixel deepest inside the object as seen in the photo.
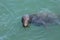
(11, 12)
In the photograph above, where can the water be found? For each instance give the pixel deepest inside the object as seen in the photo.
(11, 12)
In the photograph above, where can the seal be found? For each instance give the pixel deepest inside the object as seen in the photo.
(40, 19)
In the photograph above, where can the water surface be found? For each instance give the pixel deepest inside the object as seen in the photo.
(11, 12)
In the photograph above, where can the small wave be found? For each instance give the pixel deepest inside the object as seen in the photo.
(45, 10)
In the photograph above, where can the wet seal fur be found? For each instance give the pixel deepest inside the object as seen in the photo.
(40, 19)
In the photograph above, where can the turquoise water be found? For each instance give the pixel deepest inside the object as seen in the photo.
(11, 12)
